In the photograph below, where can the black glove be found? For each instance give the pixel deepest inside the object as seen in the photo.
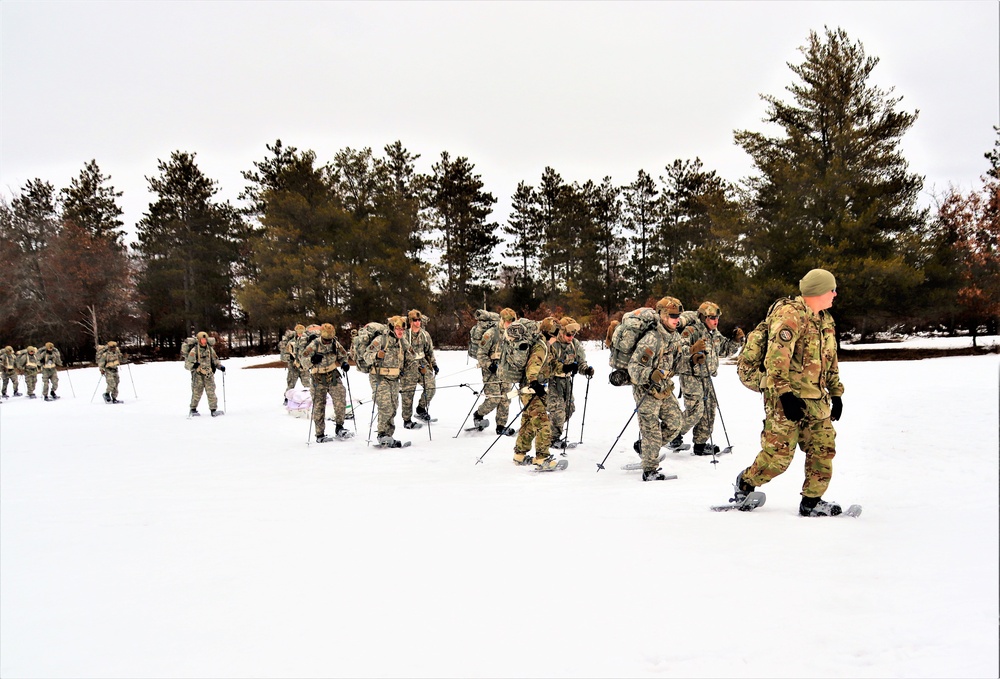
(222, 367)
(589, 372)
(794, 407)
(836, 408)
(196, 366)
(537, 387)
(436, 369)
(571, 368)
(493, 367)
(345, 366)
(316, 359)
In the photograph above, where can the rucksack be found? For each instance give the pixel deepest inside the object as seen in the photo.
(750, 364)
(190, 343)
(626, 336)
(484, 321)
(360, 339)
(286, 356)
(514, 348)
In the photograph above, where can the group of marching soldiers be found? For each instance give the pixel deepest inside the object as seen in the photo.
(31, 362)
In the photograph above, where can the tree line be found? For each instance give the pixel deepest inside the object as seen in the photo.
(364, 235)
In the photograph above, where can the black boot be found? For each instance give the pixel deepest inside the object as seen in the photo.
(676, 443)
(815, 506)
(653, 475)
(637, 446)
(742, 488)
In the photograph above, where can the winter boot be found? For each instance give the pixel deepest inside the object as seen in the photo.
(217, 413)
(653, 475)
(503, 430)
(637, 446)
(559, 443)
(545, 462)
(816, 506)
(52, 395)
(46, 397)
(705, 449)
(321, 437)
(114, 400)
(285, 403)
(676, 443)
(107, 397)
(410, 424)
(423, 414)
(742, 488)
(343, 432)
(387, 441)
(479, 422)
(194, 413)
(522, 458)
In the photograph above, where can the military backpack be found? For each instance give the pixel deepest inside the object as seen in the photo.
(626, 336)
(484, 321)
(750, 364)
(360, 339)
(190, 343)
(286, 355)
(515, 346)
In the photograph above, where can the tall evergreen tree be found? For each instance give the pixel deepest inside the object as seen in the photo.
(602, 246)
(188, 244)
(833, 189)
(641, 219)
(92, 205)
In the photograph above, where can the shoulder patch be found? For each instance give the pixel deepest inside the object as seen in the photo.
(785, 335)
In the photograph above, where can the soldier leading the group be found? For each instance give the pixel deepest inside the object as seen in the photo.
(202, 361)
(802, 395)
(700, 402)
(326, 354)
(50, 360)
(108, 362)
(8, 369)
(568, 359)
(389, 355)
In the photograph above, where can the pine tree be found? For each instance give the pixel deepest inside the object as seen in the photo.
(833, 189)
(641, 217)
(92, 205)
(602, 249)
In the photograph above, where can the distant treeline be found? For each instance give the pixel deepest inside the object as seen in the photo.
(363, 236)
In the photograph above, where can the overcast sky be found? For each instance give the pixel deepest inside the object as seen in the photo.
(592, 89)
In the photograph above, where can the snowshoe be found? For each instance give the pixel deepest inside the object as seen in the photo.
(194, 413)
(389, 442)
(815, 506)
(677, 443)
(410, 424)
(505, 431)
(343, 433)
(114, 400)
(323, 438)
(107, 397)
(656, 475)
(747, 503)
(422, 414)
(635, 466)
(523, 458)
(480, 423)
(218, 413)
(548, 463)
(705, 449)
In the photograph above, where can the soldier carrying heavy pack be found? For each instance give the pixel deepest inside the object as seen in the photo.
(495, 388)
(202, 361)
(389, 355)
(8, 369)
(108, 362)
(534, 375)
(325, 355)
(50, 360)
(568, 359)
(29, 365)
(420, 372)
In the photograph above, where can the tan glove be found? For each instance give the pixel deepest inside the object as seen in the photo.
(698, 347)
(738, 335)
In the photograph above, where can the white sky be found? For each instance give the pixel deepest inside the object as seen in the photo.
(591, 89)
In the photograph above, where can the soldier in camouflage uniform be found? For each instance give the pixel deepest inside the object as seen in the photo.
(700, 329)
(651, 369)
(494, 389)
(29, 365)
(8, 369)
(202, 361)
(50, 360)
(535, 423)
(297, 372)
(419, 372)
(389, 355)
(568, 358)
(325, 354)
(108, 362)
(802, 394)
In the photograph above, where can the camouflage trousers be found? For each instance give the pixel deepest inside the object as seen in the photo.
(411, 379)
(559, 401)
(8, 377)
(30, 380)
(203, 384)
(814, 433)
(495, 390)
(535, 426)
(111, 378)
(50, 380)
(323, 384)
(386, 395)
(297, 374)
(699, 407)
(659, 422)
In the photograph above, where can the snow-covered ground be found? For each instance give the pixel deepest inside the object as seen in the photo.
(137, 543)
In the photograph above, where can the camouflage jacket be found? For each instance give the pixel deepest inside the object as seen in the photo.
(8, 361)
(202, 359)
(49, 360)
(398, 355)
(422, 346)
(539, 365)
(802, 352)
(332, 355)
(489, 347)
(110, 359)
(659, 349)
(29, 364)
(297, 345)
(564, 353)
(717, 346)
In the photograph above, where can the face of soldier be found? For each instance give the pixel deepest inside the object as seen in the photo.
(202, 341)
(398, 331)
(712, 322)
(670, 321)
(415, 325)
(821, 302)
(566, 337)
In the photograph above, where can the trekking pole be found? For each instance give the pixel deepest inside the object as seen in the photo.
(583, 421)
(729, 446)
(565, 437)
(423, 382)
(378, 382)
(70, 380)
(309, 434)
(704, 403)
(600, 465)
(350, 398)
(129, 366)
(462, 426)
(96, 386)
(499, 436)
(223, 391)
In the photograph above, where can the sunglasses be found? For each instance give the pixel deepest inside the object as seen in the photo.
(711, 318)
(570, 334)
(674, 316)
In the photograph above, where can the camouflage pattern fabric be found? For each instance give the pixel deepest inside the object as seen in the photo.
(202, 362)
(50, 361)
(108, 363)
(8, 370)
(559, 398)
(297, 371)
(29, 366)
(386, 400)
(385, 377)
(418, 373)
(535, 425)
(660, 418)
(495, 390)
(801, 358)
(325, 379)
(203, 384)
(659, 422)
